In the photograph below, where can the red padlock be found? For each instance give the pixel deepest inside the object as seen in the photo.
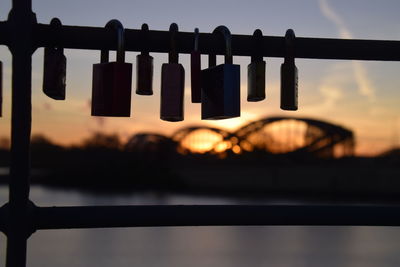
(144, 67)
(195, 69)
(112, 81)
(1, 88)
(172, 83)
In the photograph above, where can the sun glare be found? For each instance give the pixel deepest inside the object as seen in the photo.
(234, 123)
(201, 141)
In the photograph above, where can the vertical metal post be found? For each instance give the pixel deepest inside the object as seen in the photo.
(21, 20)
(22, 5)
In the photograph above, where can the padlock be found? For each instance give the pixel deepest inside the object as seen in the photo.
(289, 76)
(1, 89)
(220, 92)
(144, 66)
(172, 83)
(195, 69)
(54, 67)
(256, 71)
(111, 88)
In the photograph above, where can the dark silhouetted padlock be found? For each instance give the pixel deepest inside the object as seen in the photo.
(220, 94)
(1, 89)
(172, 83)
(144, 67)
(289, 78)
(256, 71)
(111, 92)
(54, 68)
(195, 69)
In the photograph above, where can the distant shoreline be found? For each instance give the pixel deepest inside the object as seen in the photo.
(355, 179)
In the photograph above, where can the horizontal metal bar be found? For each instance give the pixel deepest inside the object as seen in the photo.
(158, 41)
(3, 217)
(4, 33)
(97, 38)
(213, 215)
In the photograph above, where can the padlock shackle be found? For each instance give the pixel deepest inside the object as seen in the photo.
(173, 56)
(257, 46)
(116, 25)
(196, 39)
(290, 39)
(145, 36)
(56, 25)
(226, 34)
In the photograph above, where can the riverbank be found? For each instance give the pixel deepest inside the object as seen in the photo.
(356, 179)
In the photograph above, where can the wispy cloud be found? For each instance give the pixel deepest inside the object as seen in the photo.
(331, 15)
(365, 87)
(47, 106)
(101, 121)
(331, 88)
(364, 84)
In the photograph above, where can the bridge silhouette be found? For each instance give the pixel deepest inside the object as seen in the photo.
(274, 135)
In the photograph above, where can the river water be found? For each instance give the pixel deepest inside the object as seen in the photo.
(200, 246)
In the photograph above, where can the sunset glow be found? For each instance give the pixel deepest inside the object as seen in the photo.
(202, 141)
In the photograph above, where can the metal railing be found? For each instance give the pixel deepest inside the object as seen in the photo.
(19, 218)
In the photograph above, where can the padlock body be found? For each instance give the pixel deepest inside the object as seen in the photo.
(172, 92)
(289, 80)
(144, 74)
(1, 89)
(220, 94)
(54, 73)
(256, 81)
(111, 89)
(195, 74)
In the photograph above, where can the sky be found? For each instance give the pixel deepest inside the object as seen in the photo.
(359, 95)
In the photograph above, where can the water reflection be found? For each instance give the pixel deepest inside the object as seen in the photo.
(202, 246)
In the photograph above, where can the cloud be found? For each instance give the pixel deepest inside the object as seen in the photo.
(47, 106)
(331, 88)
(331, 15)
(365, 87)
(101, 121)
(331, 94)
(87, 105)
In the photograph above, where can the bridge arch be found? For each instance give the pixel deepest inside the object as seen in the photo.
(282, 135)
(204, 139)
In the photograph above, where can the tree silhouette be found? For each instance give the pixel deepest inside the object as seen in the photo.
(4, 143)
(102, 141)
